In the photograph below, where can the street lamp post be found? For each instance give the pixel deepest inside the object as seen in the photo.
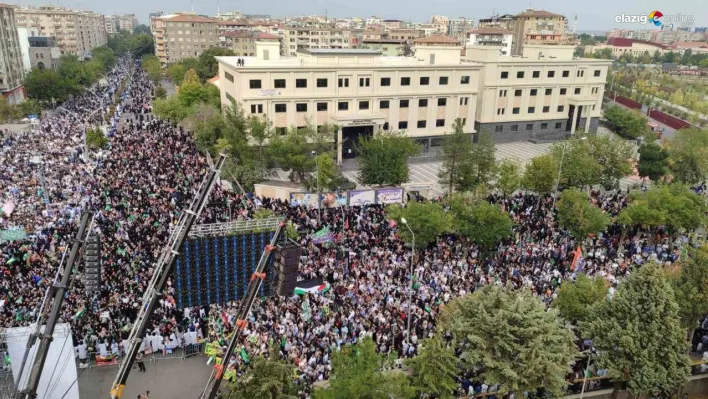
(585, 376)
(410, 284)
(560, 168)
(319, 200)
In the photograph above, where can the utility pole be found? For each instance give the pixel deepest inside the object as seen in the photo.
(45, 338)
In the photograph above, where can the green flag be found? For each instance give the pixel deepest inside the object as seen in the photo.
(80, 313)
(244, 356)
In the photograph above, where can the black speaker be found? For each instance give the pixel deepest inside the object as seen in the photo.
(287, 258)
(92, 264)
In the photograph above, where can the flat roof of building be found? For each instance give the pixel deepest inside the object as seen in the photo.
(314, 62)
(340, 51)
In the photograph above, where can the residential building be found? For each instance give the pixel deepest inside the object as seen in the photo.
(539, 27)
(116, 23)
(243, 42)
(505, 21)
(545, 94)
(76, 32)
(152, 16)
(441, 23)
(408, 34)
(393, 24)
(375, 21)
(492, 37)
(460, 28)
(43, 52)
(181, 36)
(11, 70)
(622, 45)
(230, 15)
(387, 47)
(315, 38)
(695, 47)
(23, 35)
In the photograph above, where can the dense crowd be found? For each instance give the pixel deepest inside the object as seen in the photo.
(138, 188)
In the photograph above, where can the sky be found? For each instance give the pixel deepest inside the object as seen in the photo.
(593, 15)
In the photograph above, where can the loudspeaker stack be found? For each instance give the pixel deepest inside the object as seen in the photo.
(287, 257)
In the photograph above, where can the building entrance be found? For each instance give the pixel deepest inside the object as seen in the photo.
(350, 136)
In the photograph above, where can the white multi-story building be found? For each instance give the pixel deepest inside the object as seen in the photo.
(116, 23)
(76, 32)
(492, 37)
(545, 92)
(460, 27)
(11, 66)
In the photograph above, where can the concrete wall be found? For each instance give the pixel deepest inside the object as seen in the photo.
(552, 133)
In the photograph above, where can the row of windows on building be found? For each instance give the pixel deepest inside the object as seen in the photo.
(344, 82)
(545, 109)
(529, 127)
(551, 74)
(548, 92)
(402, 125)
(344, 105)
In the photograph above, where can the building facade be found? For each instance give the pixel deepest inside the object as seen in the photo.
(43, 52)
(539, 27)
(243, 42)
(76, 32)
(297, 38)
(621, 45)
(460, 28)
(492, 37)
(387, 47)
(362, 92)
(183, 36)
(11, 69)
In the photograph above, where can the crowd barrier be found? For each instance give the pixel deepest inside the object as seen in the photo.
(181, 353)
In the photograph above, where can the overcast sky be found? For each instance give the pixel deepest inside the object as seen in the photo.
(592, 14)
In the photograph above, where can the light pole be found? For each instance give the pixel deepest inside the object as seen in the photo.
(319, 202)
(560, 168)
(410, 284)
(612, 85)
(585, 375)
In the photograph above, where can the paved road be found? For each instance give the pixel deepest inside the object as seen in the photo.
(668, 131)
(165, 379)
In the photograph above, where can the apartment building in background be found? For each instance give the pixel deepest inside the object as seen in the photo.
(243, 42)
(116, 23)
(490, 36)
(460, 28)
(441, 23)
(546, 93)
(534, 27)
(76, 32)
(11, 69)
(315, 37)
(43, 52)
(180, 36)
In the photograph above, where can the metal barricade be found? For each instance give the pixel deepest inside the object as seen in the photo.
(194, 349)
(94, 360)
(180, 353)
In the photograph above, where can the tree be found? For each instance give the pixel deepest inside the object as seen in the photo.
(540, 175)
(435, 370)
(638, 335)
(653, 161)
(356, 374)
(689, 286)
(141, 29)
(192, 91)
(30, 107)
(481, 166)
(576, 298)
(481, 222)
(577, 215)
(427, 221)
(326, 171)
(293, 153)
(383, 158)
(152, 66)
(140, 45)
(457, 149)
(260, 130)
(673, 206)
(614, 158)
(105, 56)
(176, 73)
(208, 66)
(45, 85)
(95, 139)
(8, 112)
(579, 167)
(160, 92)
(509, 177)
(627, 124)
(170, 109)
(268, 377)
(510, 338)
(688, 155)
(207, 125)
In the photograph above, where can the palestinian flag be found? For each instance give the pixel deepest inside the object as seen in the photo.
(311, 287)
(80, 313)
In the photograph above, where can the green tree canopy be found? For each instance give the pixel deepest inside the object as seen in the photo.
(512, 340)
(206, 124)
(638, 334)
(95, 139)
(434, 370)
(577, 215)
(457, 149)
(268, 378)
(628, 124)
(579, 167)
(152, 66)
(208, 66)
(427, 221)
(690, 287)
(480, 167)
(614, 157)
(170, 109)
(653, 161)
(509, 177)
(576, 298)
(141, 29)
(481, 222)
(293, 152)
(688, 155)
(541, 174)
(383, 158)
(176, 72)
(47, 84)
(356, 374)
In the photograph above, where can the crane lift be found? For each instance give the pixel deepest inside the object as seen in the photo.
(45, 337)
(166, 261)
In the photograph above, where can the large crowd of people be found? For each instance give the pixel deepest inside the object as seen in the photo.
(139, 186)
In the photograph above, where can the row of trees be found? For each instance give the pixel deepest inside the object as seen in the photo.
(73, 74)
(205, 65)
